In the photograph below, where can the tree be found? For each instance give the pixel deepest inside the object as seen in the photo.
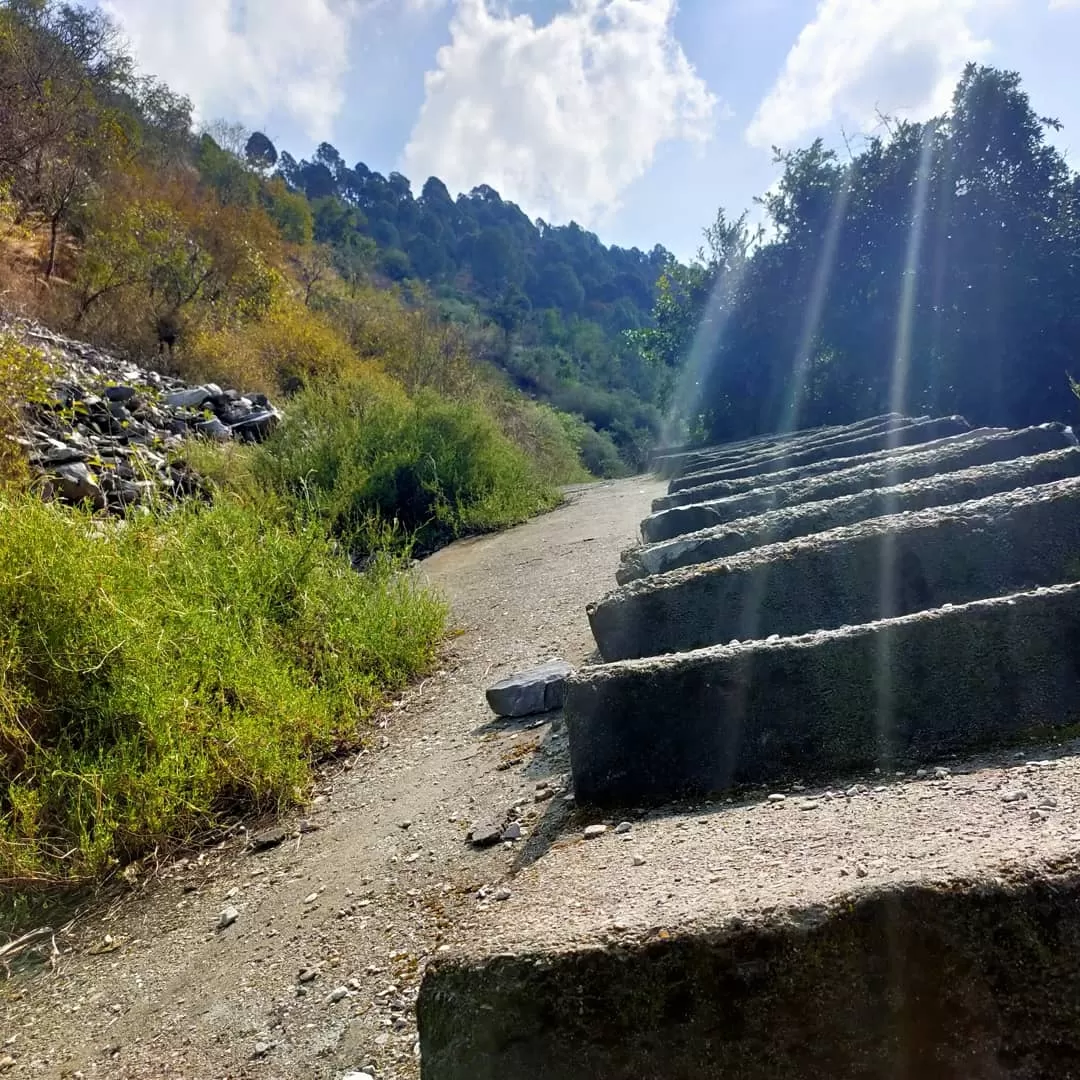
(259, 152)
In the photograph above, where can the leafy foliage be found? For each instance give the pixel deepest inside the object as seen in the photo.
(935, 271)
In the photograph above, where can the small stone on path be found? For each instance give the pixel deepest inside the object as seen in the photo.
(593, 831)
(227, 917)
(777, 798)
(512, 831)
(538, 690)
(339, 993)
(502, 894)
(1015, 795)
(485, 834)
(639, 860)
(623, 827)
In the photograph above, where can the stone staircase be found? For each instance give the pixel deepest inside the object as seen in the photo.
(821, 607)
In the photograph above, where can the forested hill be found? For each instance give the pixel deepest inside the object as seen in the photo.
(560, 298)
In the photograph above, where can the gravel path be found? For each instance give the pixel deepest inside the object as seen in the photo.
(377, 878)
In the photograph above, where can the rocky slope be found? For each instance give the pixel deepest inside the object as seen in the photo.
(110, 432)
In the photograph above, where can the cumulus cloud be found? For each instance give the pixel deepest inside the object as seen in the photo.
(246, 58)
(561, 117)
(858, 56)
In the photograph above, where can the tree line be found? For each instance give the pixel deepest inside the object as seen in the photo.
(935, 270)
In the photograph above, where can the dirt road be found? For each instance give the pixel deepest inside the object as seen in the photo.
(374, 884)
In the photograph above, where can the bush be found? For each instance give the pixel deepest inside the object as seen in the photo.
(160, 677)
(356, 450)
(286, 349)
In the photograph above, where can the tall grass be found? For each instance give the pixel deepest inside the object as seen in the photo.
(436, 469)
(160, 675)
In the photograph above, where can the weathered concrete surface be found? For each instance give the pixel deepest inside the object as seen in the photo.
(888, 565)
(804, 519)
(874, 471)
(748, 943)
(540, 689)
(908, 689)
(691, 460)
(759, 449)
(724, 488)
(920, 431)
(744, 461)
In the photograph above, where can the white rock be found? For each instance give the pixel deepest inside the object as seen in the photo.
(339, 993)
(623, 827)
(639, 860)
(593, 831)
(227, 917)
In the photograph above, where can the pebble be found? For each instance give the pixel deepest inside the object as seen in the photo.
(921, 773)
(309, 975)
(502, 894)
(593, 831)
(809, 804)
(860, 870)
(404, 824)
(339, 993)
(227, 917)
(941, 773)
(623, 827)
(777, 797)
(512, 831)
(1015, 795)
(261, 1050)
(311, 898)
(639, 860)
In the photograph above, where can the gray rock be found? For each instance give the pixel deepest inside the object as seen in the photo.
(119, 393)
(213, 429)
(191, 398)
(337, 994)
(538, 690)
(485, 834)
(592, 832)
(228, 916)
(512, 831)
(697, 723)
(502, 894)
(623, 828)
(76, 483)
(950, 554)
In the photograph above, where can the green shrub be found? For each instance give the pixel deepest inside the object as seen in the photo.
(436, 468)
(161, 675)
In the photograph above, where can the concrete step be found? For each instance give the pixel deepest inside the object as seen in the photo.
(919, 431)
(979, 447)
(676, 462)
(746, 484)
(839, 438)
(886, 566)
(929, 930)
(804, 519)
(828, 703)
(797, 441)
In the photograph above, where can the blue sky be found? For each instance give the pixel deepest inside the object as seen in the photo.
(637, 118)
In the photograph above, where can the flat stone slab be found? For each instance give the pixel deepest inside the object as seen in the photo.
(680, 463)
(803, 519)
(919, 431)
(920, 928)
(908, 689)
(819, 441)
(889, 565)
(979, 447)
(538, 690)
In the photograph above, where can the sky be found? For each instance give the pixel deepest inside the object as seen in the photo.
(636, 118)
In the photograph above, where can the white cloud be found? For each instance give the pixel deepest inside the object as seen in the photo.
(1063, 5)
(563, 116)
(857, 56)
(245, 59)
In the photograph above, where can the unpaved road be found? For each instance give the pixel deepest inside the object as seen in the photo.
(383, 881)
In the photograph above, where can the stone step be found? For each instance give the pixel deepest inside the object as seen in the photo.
(828, 703)
(732, 453)
(980, 447)
(925, 930)
(742, 485)
(886, 566)
(818, 442)
(919, 431)
(803, 519)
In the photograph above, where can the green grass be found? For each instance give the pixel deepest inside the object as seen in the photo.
(164, 675)
(431, 468)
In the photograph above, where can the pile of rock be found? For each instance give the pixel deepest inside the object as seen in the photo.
(110, 432)
(833, 600)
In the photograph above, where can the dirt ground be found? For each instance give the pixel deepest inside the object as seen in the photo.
(377, 876)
